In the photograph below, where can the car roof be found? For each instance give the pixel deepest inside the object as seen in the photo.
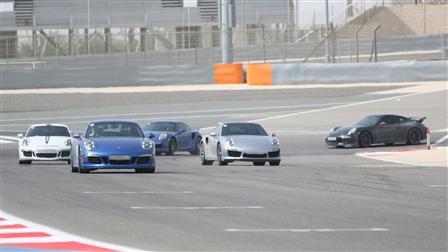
(168, 121)
(222, 123)
(113, 121)
(49, 124)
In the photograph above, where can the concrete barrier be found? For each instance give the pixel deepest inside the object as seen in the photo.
(108, 76)
(393, 71)
(228, 74)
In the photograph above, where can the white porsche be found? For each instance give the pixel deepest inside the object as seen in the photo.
(45, 142)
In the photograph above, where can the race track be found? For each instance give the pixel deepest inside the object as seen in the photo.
(317, 199)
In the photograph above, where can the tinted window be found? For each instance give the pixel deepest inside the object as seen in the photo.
(391, 119)
(183, 126)
(160, 126)
(369, 121)
(48, 131)
(112, 129)
(243, 129)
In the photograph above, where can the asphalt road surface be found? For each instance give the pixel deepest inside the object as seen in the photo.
(317, 199)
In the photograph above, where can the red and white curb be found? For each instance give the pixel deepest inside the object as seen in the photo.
(17, 234)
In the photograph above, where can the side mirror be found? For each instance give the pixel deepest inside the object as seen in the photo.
(273, 135)
(20, 135)
(382, 124)
(213, 134)
(181, 131)
(77, 135)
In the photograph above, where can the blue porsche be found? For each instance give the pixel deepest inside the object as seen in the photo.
(172, 136)
(113, 145)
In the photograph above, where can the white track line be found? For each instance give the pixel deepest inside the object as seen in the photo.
(196, 208)
(16, 139)
(5, 142)
(343, 106)
(143, 192)
(56, 235)
(177, 117)
(441, 140)
(438, 185)
(307, 230)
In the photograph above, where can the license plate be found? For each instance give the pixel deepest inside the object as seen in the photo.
(331, 138)
(119, 157)
(46, 151)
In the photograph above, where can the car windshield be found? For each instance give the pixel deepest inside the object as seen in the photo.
(160, 126)
(243, 129)
(369, 121)
(48, 130)
(114, 129)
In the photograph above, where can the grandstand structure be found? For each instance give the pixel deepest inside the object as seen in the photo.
(58, 34)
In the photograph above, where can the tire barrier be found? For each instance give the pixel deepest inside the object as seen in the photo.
(228, 74)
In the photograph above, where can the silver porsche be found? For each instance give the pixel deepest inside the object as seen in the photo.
(238, 141)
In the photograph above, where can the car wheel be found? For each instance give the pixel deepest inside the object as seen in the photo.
(69, 162)
(80, 169)
(196, 148)
(24, 162)
(150, 170)
(365, 139)
(202, 154)
(74, 169)
(219, 156)
(414, 136)
(274, 163)
(259, 163)
(172, 146)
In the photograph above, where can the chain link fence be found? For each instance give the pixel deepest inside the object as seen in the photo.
(253, 43)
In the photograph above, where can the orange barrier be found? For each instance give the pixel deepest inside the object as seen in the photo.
(259, 74)
(228, 74)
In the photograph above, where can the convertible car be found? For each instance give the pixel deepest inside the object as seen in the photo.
(172, 136)
(45, 142)
(378, 129)
(113, 145)
(231, 142)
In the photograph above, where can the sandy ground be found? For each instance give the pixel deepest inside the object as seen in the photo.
(418, 86)
(436, 156)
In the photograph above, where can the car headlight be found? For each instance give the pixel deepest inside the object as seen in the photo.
(68, 142)
(275, 142)
(147, 144)
(89, 145)
(230, 141)
(353, 130)
(162, 136)
(25, 142)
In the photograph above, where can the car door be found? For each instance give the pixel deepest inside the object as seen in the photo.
(183, 136)
(211, 142)
(388, 129)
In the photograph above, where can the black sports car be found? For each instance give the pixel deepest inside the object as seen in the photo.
(379, 129)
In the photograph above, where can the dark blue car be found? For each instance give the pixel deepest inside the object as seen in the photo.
(172, 136)
(113, 145)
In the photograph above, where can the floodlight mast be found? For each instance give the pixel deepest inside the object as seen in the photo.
(226, 22)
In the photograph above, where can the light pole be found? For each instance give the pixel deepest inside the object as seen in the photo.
(327, 15)
(226, 32)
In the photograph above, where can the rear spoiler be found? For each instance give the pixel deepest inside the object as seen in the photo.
(418, 119)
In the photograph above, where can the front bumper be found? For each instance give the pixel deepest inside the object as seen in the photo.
(236, 154)
(95, 161)
(342, 141)
(45, 154)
